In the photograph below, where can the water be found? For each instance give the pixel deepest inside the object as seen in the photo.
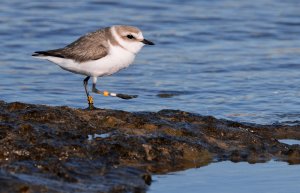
(228, 177)
(290, 141)
(238, 60)
(95, 136)
(231, 59)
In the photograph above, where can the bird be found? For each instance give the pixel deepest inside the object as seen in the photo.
(99, 53)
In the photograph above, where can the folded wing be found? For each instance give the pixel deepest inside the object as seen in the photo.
(91, 46)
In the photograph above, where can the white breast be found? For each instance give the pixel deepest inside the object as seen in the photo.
(117, 59)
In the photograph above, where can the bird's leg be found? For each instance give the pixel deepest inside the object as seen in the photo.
(89, 98)
(106, 93)
(94, 89)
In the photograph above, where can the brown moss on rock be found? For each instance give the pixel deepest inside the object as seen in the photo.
(43, 148)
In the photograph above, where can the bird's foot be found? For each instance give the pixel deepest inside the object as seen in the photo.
(91, 107)
(91, 103)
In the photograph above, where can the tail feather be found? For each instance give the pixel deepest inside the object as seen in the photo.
(39, 53)
(48, 53)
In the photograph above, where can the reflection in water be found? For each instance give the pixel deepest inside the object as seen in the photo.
(228, 177)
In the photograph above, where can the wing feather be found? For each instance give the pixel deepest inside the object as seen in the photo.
(91, 46)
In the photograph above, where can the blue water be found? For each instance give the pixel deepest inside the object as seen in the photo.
(228, 177)
(290, 141)
(231, 59)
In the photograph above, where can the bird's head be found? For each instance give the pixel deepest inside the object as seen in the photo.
(130, 38)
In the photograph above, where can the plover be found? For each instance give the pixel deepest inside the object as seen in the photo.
(100, 53)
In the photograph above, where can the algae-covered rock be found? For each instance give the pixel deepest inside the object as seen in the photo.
(61, 149)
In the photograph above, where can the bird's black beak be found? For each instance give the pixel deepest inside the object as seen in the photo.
(147, 42)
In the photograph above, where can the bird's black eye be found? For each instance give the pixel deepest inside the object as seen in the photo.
(130, 37)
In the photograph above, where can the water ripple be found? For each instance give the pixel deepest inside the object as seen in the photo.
(220, 58)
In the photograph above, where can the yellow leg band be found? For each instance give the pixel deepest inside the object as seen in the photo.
(105, 93)
(90, 100)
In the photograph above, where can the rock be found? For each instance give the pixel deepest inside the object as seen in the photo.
(61, 149)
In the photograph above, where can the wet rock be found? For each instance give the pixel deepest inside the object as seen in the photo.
(61, 149)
